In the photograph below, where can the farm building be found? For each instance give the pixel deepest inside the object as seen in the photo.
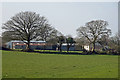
(15, 44)
(39, 45)
(88, 47)
(64, 47)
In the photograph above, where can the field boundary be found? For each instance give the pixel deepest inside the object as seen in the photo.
(72, 53)
(59, 79)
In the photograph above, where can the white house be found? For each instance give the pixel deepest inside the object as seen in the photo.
(86, 47)
(89, 47)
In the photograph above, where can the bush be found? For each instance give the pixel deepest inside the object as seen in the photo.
(3, 48)
(27, 50)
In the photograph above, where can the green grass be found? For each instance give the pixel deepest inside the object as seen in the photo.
(51, 51)
(59, 51)
(35, 65)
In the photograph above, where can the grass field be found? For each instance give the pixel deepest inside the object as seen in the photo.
(35, 65)
(52, 51)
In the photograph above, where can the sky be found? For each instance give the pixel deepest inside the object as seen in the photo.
(66, 17)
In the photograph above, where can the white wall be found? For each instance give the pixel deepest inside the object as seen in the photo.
(87, 47)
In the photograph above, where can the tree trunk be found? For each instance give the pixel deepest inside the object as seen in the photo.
(60, 47)
(93, 50)
(67, 47)
(44, 47)
(28, 46)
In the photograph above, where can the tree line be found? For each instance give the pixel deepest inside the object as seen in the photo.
(27, 26)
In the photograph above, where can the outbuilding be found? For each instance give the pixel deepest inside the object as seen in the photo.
(16, 44)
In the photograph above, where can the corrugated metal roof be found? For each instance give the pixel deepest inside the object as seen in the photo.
(65, 44)
(26, 41)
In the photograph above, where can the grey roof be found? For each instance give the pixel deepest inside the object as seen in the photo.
(26, 41)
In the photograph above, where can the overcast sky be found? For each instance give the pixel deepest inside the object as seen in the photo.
(66, 17)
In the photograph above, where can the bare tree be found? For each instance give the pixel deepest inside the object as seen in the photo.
(80, 42)
(117, 39)
(114, 42)
(47, 32)
(55, 38)
(8, 36)
(25, 25)
(93, 30)
(103, 41)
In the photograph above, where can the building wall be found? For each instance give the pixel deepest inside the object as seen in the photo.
(78, 47)
(9, 45)
(33, 45)
(36, 45)
(87, 47)
(98, 47)
(64, 48)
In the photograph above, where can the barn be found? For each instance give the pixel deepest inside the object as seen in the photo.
(64, 47)
(39, 45)
(88, 47)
